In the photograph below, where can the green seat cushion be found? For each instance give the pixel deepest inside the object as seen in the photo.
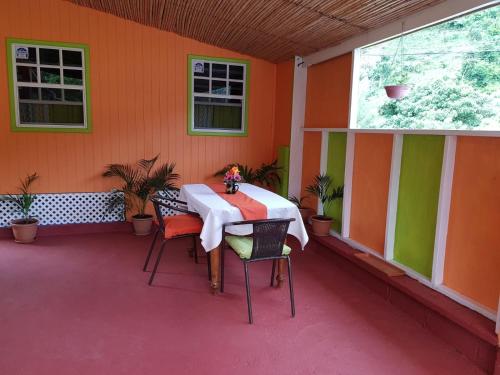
(243, 246)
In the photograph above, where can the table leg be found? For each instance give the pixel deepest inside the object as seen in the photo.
(215, 269)
(280, 277)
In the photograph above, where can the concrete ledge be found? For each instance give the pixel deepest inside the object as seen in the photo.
(469, 332)
(70, 229)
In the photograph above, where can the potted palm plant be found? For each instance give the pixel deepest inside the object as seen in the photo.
(305, 212)
(25, 228)
(140, 182)
(323, 190)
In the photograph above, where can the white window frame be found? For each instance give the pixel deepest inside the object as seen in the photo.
(228, 62)
(355, 71)
(16, 85)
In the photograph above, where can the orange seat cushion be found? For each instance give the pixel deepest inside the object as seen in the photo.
(179, 225)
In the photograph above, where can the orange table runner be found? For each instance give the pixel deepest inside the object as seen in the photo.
(250, 208)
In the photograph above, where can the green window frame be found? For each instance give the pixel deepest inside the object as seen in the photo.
(49, 93)
(217, 94)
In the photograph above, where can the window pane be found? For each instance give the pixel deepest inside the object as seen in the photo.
(49, 56)
(219, 70)
(50, 75)
(73, 77)
(235, 72)
(219, 87)
(51, 94)
(201, 99)
(42, 114)
(25, 55)
(217, 113)
(73, 95)
(451, 70)
(201, 85)
(72, 58)
(26, 74)
(28, 93)
(235, 88)
(200, 69)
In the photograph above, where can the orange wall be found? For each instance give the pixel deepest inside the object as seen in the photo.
(472, 264)
(370, 189)
(328, 88)
(139, 102)
(283, 110)
(310, 164)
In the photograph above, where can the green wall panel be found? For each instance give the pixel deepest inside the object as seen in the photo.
(284, 164)
(419, 181)
(335, 168)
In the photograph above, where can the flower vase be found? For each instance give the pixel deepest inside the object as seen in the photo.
(232, 187)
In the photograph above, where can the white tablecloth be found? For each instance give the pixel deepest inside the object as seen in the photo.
(215, 211)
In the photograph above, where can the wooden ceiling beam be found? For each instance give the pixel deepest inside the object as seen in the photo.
(275, 30)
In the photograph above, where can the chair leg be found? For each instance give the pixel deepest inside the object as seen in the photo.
(150, 250)
(272, 272)
(209, 265)
(222, 268)
(157, 262)
(195, 251)
(290, 283)
(249, 301)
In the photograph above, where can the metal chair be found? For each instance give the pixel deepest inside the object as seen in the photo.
(187, 224)
(267, 242)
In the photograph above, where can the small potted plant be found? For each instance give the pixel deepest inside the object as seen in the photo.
(140, 183)
(398, 86)
(323, 190)
(24, 229)
(305, 212)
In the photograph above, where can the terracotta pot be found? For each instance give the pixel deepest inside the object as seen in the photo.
(397, 91)
(321, 225)
(24, 232)
(142, 224)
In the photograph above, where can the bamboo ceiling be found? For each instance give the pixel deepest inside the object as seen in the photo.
(274, 30)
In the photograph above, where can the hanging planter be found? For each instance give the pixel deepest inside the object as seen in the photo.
(397, 91)
(397, 87)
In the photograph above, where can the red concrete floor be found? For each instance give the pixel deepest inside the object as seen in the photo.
(80, 305)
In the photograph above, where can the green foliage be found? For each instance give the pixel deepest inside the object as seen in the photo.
(397, 78)
(442, 102)
(266, 174)
(322, 188)
(140, 182)
(24, 200)
(482, 72)
(297, 201)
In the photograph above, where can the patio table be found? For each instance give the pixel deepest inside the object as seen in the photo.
(215, 211)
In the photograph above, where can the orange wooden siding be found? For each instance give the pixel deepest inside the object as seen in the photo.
(370, 188)
(310, 164)
(472, 265)
(139, 102)
(328, 88)
(283, 110)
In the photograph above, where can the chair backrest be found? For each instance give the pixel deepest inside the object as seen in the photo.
(159, 201)
(269, 237)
